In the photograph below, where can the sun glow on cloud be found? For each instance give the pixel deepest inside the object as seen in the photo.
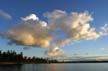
(37, 33)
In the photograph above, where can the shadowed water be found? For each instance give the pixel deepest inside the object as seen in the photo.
(57, 67)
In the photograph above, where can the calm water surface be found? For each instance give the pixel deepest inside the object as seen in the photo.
(58, 67)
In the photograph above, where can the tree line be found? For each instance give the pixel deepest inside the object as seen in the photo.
(12, 56)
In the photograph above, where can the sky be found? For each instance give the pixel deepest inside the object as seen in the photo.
(16, 12)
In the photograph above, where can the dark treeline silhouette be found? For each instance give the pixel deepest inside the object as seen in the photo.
(13, 57)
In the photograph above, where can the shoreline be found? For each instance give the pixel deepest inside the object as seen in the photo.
(14, 63)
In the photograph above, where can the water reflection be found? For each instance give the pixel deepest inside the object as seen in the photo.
(10, 67)
(57, 67)
(54, 67)
(30, 67)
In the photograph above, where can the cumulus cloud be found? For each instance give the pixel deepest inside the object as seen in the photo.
(54, 52)
(5, 15)
(76, 26)
(37, 33)
(30, 32)
(30, 17)
(104, 30)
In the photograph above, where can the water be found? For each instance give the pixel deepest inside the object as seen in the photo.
(57, 67)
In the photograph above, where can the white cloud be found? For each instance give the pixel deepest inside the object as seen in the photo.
(104, 29)
(30, 17)
(55, 14)
(5, 15)
(30, 32)
(75, 27)
(54, 52)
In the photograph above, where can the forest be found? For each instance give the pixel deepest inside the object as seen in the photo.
(11, 57)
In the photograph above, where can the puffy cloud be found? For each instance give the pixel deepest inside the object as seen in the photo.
(37, 33)
(30, 17)
(104, 30)
(43, 24)
(75, 26)
(54, 52)
(30, 33)
(5, 15)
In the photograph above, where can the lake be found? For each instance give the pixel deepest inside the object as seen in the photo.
(57, 67)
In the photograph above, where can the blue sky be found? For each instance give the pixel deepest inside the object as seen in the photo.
(21, 8)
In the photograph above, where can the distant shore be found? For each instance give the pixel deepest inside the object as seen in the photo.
(85, 62)
(12, 58)
(13, 63)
